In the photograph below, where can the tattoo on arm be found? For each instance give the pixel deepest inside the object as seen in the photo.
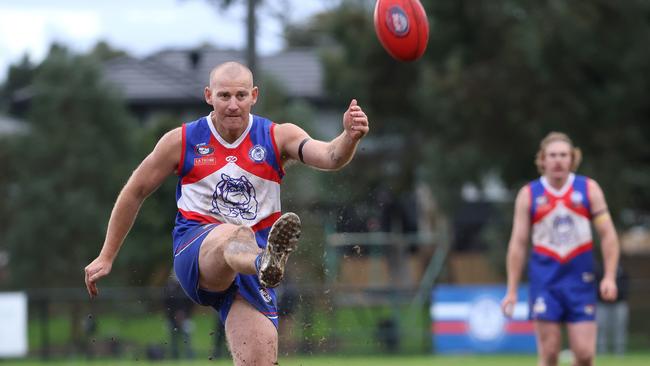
(332, 154)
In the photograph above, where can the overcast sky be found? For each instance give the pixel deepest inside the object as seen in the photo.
(139, 27)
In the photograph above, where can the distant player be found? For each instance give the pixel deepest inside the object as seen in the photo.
(557, 211)
(230, 166)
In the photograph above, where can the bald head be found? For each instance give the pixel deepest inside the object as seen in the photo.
(231, 71)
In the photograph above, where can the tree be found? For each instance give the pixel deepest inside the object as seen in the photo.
(277, 9)
(104, 52)
(68, 170)
(497, 76)
(505, 73)
(18, 77)
(251, 29)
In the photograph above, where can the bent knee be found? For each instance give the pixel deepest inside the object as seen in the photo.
(242, 233)
(226, 233)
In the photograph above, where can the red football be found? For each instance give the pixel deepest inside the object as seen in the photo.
(402, 28)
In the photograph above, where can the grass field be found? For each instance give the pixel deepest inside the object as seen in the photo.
(349, 331)
(629, 360)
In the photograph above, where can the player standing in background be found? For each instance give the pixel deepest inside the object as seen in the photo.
(230, 166)
(557, 211)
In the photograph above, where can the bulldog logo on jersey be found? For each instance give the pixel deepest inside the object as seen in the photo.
(235, 197)
(564, 231)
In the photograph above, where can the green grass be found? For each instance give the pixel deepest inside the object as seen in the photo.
(130, 331)
(630, 360)
(349, 333)
(347, 330)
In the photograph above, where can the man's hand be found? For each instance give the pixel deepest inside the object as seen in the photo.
(608, 289)
(97, 269)
(355, 121)
(508, 304)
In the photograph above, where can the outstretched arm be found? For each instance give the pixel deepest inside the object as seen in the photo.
(608, 240)
(153, 170)
(517, 249)
(330, 155)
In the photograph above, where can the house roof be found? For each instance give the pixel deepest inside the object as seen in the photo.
(146, 80)
(180, 75)
(300, 71)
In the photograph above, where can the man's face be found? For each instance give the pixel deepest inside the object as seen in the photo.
(232, 100)
(557, 160)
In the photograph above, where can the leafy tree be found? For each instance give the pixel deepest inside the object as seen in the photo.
(18, 77)
(505, 73)
(146, 258)
(251, 29)
(359, 68)
(104, 52)
(497, 77)
(68, 169)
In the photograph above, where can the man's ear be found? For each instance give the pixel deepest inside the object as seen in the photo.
(254, 93)
(207, 93)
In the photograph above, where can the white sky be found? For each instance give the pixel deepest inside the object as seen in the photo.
(139, 27)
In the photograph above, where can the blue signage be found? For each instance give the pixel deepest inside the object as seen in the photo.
(468, 319)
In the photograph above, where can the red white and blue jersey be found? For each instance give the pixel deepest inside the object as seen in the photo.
(561, 234)
(221, 182)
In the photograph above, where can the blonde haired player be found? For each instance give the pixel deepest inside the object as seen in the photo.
(556, 211)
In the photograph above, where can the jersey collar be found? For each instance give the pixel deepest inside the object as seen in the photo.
(558, 192)
(224, 142)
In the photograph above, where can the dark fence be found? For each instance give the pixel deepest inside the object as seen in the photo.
(134, 323)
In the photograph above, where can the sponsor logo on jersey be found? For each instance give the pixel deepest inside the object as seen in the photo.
(257, 153)
(265, 294)
(231, 159)
(208, 160)
(203, 149)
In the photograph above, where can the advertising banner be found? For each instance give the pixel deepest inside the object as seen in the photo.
(468, 319)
